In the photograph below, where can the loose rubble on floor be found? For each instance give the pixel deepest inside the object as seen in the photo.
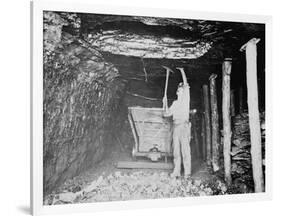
(134, 185)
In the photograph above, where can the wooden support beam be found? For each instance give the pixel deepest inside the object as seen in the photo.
(226, 71)
(241, 100)
(232, 102)
(254, 118)
(215, 123)
(194, 130)
(203, 137)
(207, 124)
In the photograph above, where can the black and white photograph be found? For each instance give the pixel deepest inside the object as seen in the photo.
(138, 107)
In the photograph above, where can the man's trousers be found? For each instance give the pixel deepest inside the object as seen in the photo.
(181, 148)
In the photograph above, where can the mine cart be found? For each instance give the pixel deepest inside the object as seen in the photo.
(152, 133)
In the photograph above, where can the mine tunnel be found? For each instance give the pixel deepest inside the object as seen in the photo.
(97, 66)
(146, 89)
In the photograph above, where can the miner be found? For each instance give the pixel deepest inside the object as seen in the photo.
(179, 111)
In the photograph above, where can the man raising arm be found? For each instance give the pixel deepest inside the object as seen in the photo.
(179, 110)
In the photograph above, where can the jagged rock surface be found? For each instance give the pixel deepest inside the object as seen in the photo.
(81, 95)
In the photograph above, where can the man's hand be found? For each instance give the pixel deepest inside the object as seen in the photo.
(165, 103)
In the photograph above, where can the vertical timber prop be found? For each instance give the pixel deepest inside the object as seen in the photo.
(196, 142)
(215, 123)
(240, 100)
(254, 118)
(207, 124)
(226, 71)
(203, 137)
(203, 129)
(232, 103)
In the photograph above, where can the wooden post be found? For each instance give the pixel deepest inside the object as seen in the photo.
(195, 136)
(254, 118)
(226, 71)
(203, 129)
(207, 123)
(215, 123)
(240, 100)
(203, 135)
(232, 102)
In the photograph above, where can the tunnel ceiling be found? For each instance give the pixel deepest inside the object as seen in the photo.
(150, 37)
(139, 46)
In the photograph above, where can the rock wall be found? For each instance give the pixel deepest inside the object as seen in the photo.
(81, 96)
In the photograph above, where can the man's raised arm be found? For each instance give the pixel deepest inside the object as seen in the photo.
(183, 75)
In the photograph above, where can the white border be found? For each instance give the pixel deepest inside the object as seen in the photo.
(37, 107)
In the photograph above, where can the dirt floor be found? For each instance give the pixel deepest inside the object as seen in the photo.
(107, 183)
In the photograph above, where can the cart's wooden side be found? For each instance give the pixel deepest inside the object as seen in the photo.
(154, 135)
(151, 131)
